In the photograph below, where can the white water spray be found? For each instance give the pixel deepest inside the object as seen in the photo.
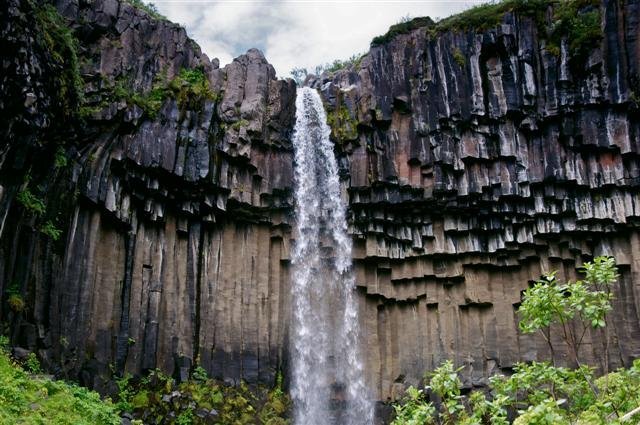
(327, 372)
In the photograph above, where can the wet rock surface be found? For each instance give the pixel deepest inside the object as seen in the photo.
(467, 179)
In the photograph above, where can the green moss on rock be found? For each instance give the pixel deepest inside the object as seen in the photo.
(403, 27)
(343, 125)
(33, 399)
(63, 47)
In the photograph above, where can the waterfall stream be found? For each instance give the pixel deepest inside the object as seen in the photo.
(327, 369)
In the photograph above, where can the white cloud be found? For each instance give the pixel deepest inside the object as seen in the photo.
(295, 33)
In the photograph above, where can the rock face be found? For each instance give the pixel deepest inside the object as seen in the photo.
(473, 161)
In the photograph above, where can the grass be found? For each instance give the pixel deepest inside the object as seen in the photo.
(190, 88)
(403, 27)
(150, 8)
(577, 20)
(63, 47)
(32, 399)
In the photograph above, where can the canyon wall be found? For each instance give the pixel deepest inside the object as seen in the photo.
(473, 161)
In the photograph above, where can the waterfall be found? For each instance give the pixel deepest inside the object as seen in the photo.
(327, 369)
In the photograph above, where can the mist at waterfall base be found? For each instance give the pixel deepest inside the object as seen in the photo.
(327, 376)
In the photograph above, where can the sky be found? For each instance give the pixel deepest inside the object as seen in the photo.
(295, 33)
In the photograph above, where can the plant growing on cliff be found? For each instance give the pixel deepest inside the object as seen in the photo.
(150, 8)
(574, 307)
(576, 20)
(60, 158)
(33, 204)
(540, 392)
(191, 88)
(49, 229)
(404, 26)
(25, 399)
(458, 56)
(353, 62)
(63, 47)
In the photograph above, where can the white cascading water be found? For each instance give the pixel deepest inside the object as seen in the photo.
(328, 385)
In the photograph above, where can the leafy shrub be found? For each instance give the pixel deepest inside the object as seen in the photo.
(16, 302)
(191, 88)
(30, 202)
(540, 392)
(574, 306)
(156, 398)
(414, 409)
(60, 158)
(459, 58)
(32, 364)
(199, 374)
(299, 74)
(29, 400)
(51, 230)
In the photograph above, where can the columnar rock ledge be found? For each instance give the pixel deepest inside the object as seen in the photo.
(468, 176)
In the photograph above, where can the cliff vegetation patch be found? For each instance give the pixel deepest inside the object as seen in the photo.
(576, 20)
(27, 397)
(541, 392)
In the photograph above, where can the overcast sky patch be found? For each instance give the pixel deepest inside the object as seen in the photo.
(295, 33)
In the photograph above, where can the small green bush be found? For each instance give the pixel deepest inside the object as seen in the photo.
(146, 399)
(32, 364)
(30, 202)
(51, 230)
(25, 399)
(60, 158)
(540, 392)
(459, 57)
(16, 302)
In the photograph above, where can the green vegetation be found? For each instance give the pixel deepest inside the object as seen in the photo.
(190, 88)
(28, 399)
(239, 124)
(50, 229)
(405, 26)
(459, 58)
(353, 62)
(150, 8)
(156, 398)
(489, 15)
(343, 126)
(33, 204)
(582, 29)
(299, 74)
(577, 20)
(14, 299)
(63, 47)
(540, 392)
(60, 158)
(16, 302)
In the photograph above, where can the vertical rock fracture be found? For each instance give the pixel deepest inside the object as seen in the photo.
(327, 376)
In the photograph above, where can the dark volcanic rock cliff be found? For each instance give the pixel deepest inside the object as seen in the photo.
(146, 192)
